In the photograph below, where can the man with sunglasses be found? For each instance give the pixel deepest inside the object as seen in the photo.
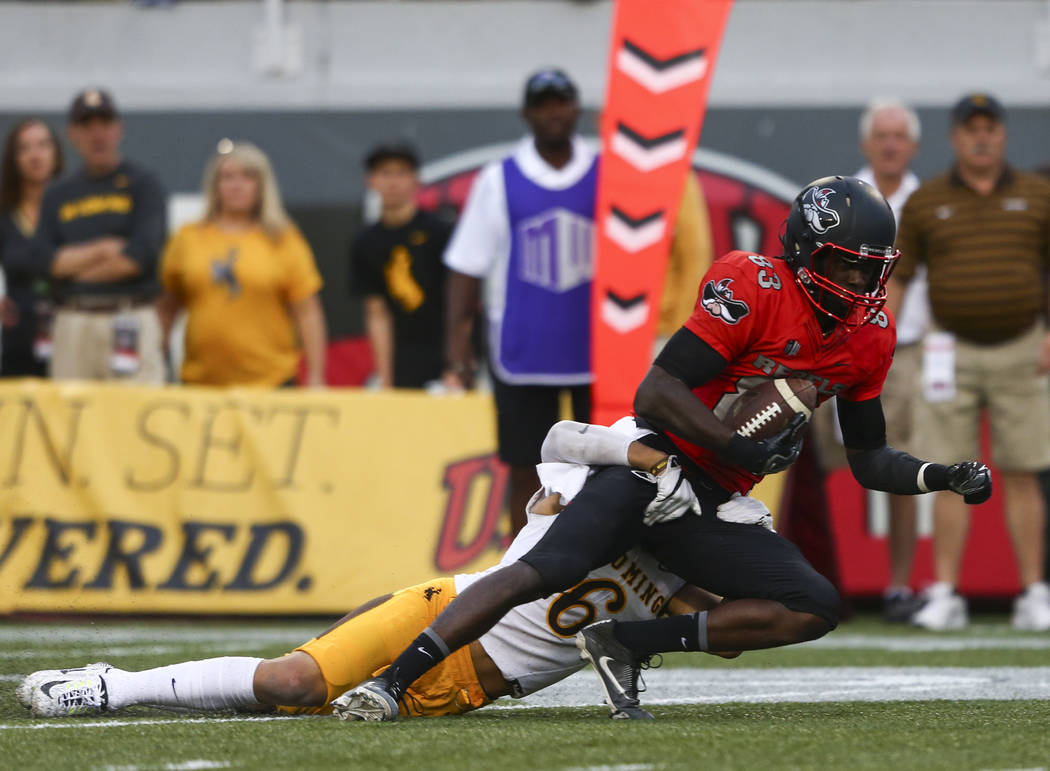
(816, 313)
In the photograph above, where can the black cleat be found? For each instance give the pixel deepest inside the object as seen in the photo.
(617, 667)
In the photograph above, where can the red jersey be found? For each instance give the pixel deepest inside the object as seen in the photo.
(753, 313)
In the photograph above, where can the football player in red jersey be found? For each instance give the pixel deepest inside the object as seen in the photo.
(814, 312)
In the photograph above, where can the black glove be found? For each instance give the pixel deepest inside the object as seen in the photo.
(971, 480)
(767, 456)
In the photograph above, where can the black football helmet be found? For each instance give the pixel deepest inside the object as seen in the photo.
(838, 227)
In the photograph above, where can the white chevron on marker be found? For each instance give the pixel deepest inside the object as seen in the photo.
(622, 319)
(660, 76)
(648, 158)
(634, 239)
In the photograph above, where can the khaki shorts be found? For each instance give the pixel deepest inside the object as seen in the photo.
(82, 346)
(1004, 380)
(899, 393)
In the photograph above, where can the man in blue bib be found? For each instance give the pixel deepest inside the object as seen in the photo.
(525, 239)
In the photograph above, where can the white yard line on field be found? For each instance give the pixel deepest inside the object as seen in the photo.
(114, 723)
(714, 686)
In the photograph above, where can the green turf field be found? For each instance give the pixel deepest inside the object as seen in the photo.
(867, 696)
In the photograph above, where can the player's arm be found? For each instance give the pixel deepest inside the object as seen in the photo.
(877, 466)
(665, 399)
(591, 445)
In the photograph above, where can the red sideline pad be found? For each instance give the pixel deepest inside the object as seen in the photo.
(349, 362)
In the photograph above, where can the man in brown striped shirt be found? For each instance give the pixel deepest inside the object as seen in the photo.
(983, 231)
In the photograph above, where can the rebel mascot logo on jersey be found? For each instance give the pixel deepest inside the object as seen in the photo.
(717, 300)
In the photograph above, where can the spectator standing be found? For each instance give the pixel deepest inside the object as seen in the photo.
(100, 234)
(247, 279)
(32, 157)
(889, 139)
(527, 233)
(396, 265)
(982, 230)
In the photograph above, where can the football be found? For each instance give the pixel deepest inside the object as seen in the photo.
(762, 411)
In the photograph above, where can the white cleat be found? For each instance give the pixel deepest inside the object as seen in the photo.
(24, 692)
(80, 694)
(369, 701)
(944, 609)
(1032, 609)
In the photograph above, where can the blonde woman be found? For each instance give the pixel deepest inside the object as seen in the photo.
(247, 279)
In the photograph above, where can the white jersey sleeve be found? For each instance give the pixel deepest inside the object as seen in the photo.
(481, 238)
(534, 644)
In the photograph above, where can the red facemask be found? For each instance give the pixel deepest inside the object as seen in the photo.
(850, 308)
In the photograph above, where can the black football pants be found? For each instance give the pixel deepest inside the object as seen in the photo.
(734, 560)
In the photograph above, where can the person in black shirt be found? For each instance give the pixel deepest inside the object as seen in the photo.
(396, 266)
(32, 157)
(100, 235)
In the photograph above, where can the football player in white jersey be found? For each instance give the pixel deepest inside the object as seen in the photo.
(533, 646)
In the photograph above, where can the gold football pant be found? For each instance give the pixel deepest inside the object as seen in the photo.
(365, 645)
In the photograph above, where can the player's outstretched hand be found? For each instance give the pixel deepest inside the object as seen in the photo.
(674, 495)
(972, 480)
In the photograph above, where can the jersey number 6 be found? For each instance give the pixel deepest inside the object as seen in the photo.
(577, 598)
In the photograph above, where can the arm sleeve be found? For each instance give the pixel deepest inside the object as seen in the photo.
(874, 464)
(690, 359)
(482, 233)
(302, 278)
(863, 423)
(149, 224)
(588, 445)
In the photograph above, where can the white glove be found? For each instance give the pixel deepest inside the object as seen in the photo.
(674, 495)
(745, 510)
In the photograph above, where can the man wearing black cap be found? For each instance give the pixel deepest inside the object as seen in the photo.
(527, 233)
(983, 232)
(395, 265)
(101, 231)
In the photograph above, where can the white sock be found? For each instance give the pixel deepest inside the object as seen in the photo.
(222, 683)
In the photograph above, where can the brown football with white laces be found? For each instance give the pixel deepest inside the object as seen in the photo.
(766, 409)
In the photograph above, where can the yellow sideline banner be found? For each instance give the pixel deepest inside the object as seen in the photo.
(184, 500)
(131, 499)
